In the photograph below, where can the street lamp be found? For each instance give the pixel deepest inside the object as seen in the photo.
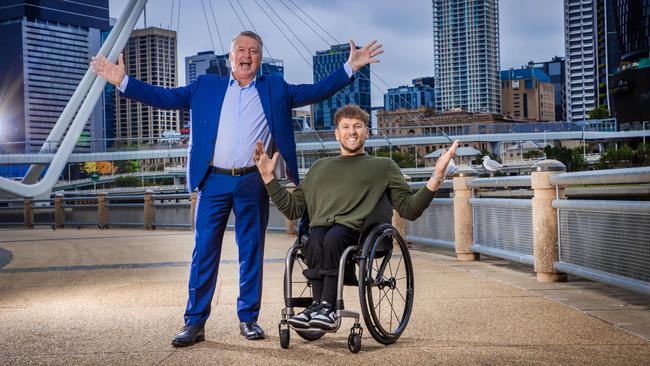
(643, 124)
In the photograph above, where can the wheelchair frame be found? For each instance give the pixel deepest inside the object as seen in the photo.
(373, 236)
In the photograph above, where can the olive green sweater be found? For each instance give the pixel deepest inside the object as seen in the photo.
(345, 189)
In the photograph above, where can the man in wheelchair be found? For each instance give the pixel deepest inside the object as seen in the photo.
(338, 194)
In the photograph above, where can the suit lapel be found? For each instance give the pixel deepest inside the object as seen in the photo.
(262, 87)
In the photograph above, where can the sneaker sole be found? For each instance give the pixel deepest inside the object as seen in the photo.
(321, 325)
(298, 323)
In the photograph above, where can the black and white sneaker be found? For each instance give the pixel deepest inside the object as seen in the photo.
(301, 320)
(324, 318)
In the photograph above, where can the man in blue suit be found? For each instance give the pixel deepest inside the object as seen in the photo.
(228, 116)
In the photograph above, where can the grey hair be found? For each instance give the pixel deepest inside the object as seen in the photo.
(246, 33)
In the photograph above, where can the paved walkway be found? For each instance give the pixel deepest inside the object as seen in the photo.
(117, 296)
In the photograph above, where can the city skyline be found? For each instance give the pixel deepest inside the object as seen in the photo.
(405, 32)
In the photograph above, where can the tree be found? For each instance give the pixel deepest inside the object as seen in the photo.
(572, 159)
(127, 166)
(599, 112)
(128, 181)
(533, 154)
(403, 160)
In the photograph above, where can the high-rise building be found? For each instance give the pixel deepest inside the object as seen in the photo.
(411, 97)
(149, 56)
(556, 70)
(466, 55)
(630, 85)
(46, 47)
(326, 62)
(527, 94)
(592, 55)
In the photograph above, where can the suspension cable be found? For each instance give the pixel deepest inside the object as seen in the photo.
(207, 23)
(171, 17)
(297, 50)
(178, 21)
(217, 27)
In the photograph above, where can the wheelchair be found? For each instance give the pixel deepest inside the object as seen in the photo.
(385, 282)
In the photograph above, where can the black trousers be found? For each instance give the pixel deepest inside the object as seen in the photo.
(323, 252)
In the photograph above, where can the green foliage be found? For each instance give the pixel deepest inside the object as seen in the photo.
(128, 181)
(533, 154)
(624, 157)
(127, 166)
(403, 160)
(572, 159)
(599, 112)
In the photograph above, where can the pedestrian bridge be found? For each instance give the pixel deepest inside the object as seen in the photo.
(89, 283)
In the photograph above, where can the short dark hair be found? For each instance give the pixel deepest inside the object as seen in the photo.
(351, 111)
(247, 33)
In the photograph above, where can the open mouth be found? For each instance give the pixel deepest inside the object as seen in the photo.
(351, 139)
(245, 64)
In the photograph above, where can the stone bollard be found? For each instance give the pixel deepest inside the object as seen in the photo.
(102, 210)
(193, 197)
(545, 240)
(291, 224)
(463, 218)
(149, 214)
(28, 213)
(59, 212)
(398, 221)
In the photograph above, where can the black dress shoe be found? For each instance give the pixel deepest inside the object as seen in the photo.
(251, 330)
(189, 335)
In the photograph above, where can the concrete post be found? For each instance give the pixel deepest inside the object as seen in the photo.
(463, 218)
(398, 221)
(28, 212)
(59, 212)
(193, 197)
(149, 214)
(291, 224)
(102, 210)
(545, 240)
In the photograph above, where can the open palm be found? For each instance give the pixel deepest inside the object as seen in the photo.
(364, 55)
(113, 73)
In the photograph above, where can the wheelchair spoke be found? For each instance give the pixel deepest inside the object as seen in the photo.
(392, 308)
(400, 294)
(381, 298)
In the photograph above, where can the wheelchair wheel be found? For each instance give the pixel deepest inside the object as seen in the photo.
(301, 295)
(385, 284)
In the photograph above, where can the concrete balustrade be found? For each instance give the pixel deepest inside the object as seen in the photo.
(59, 211)
(193, 198)
(149, 213)
(463, 218)
(28, 213)
(545, 240)
(102, 210)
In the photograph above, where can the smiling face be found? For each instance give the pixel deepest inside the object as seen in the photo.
(245, 58)
(351, 133)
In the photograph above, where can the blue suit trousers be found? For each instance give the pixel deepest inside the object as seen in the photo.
(246, 196)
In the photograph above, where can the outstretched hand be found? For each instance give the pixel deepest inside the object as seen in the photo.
(265, 165)
(441, 167)
(365, 55)
(113, 73)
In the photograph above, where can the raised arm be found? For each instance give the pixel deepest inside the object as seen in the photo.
(306, 94)
(291, 204)
(411, 205)
(155, 96)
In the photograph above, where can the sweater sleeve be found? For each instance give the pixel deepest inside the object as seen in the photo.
(409, 205)
(291, 204)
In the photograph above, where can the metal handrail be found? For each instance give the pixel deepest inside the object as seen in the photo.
(501, 182)
(609, 176)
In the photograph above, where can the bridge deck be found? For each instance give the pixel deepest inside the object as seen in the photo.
(117, 296)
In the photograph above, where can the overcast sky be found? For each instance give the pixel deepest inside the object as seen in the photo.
(529, 30)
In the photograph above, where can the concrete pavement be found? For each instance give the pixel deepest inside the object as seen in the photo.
(117, 296)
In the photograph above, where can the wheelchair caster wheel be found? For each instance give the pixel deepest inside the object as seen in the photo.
(284, 338)
(354, 342)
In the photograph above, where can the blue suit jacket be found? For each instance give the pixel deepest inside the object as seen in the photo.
(205, 98)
